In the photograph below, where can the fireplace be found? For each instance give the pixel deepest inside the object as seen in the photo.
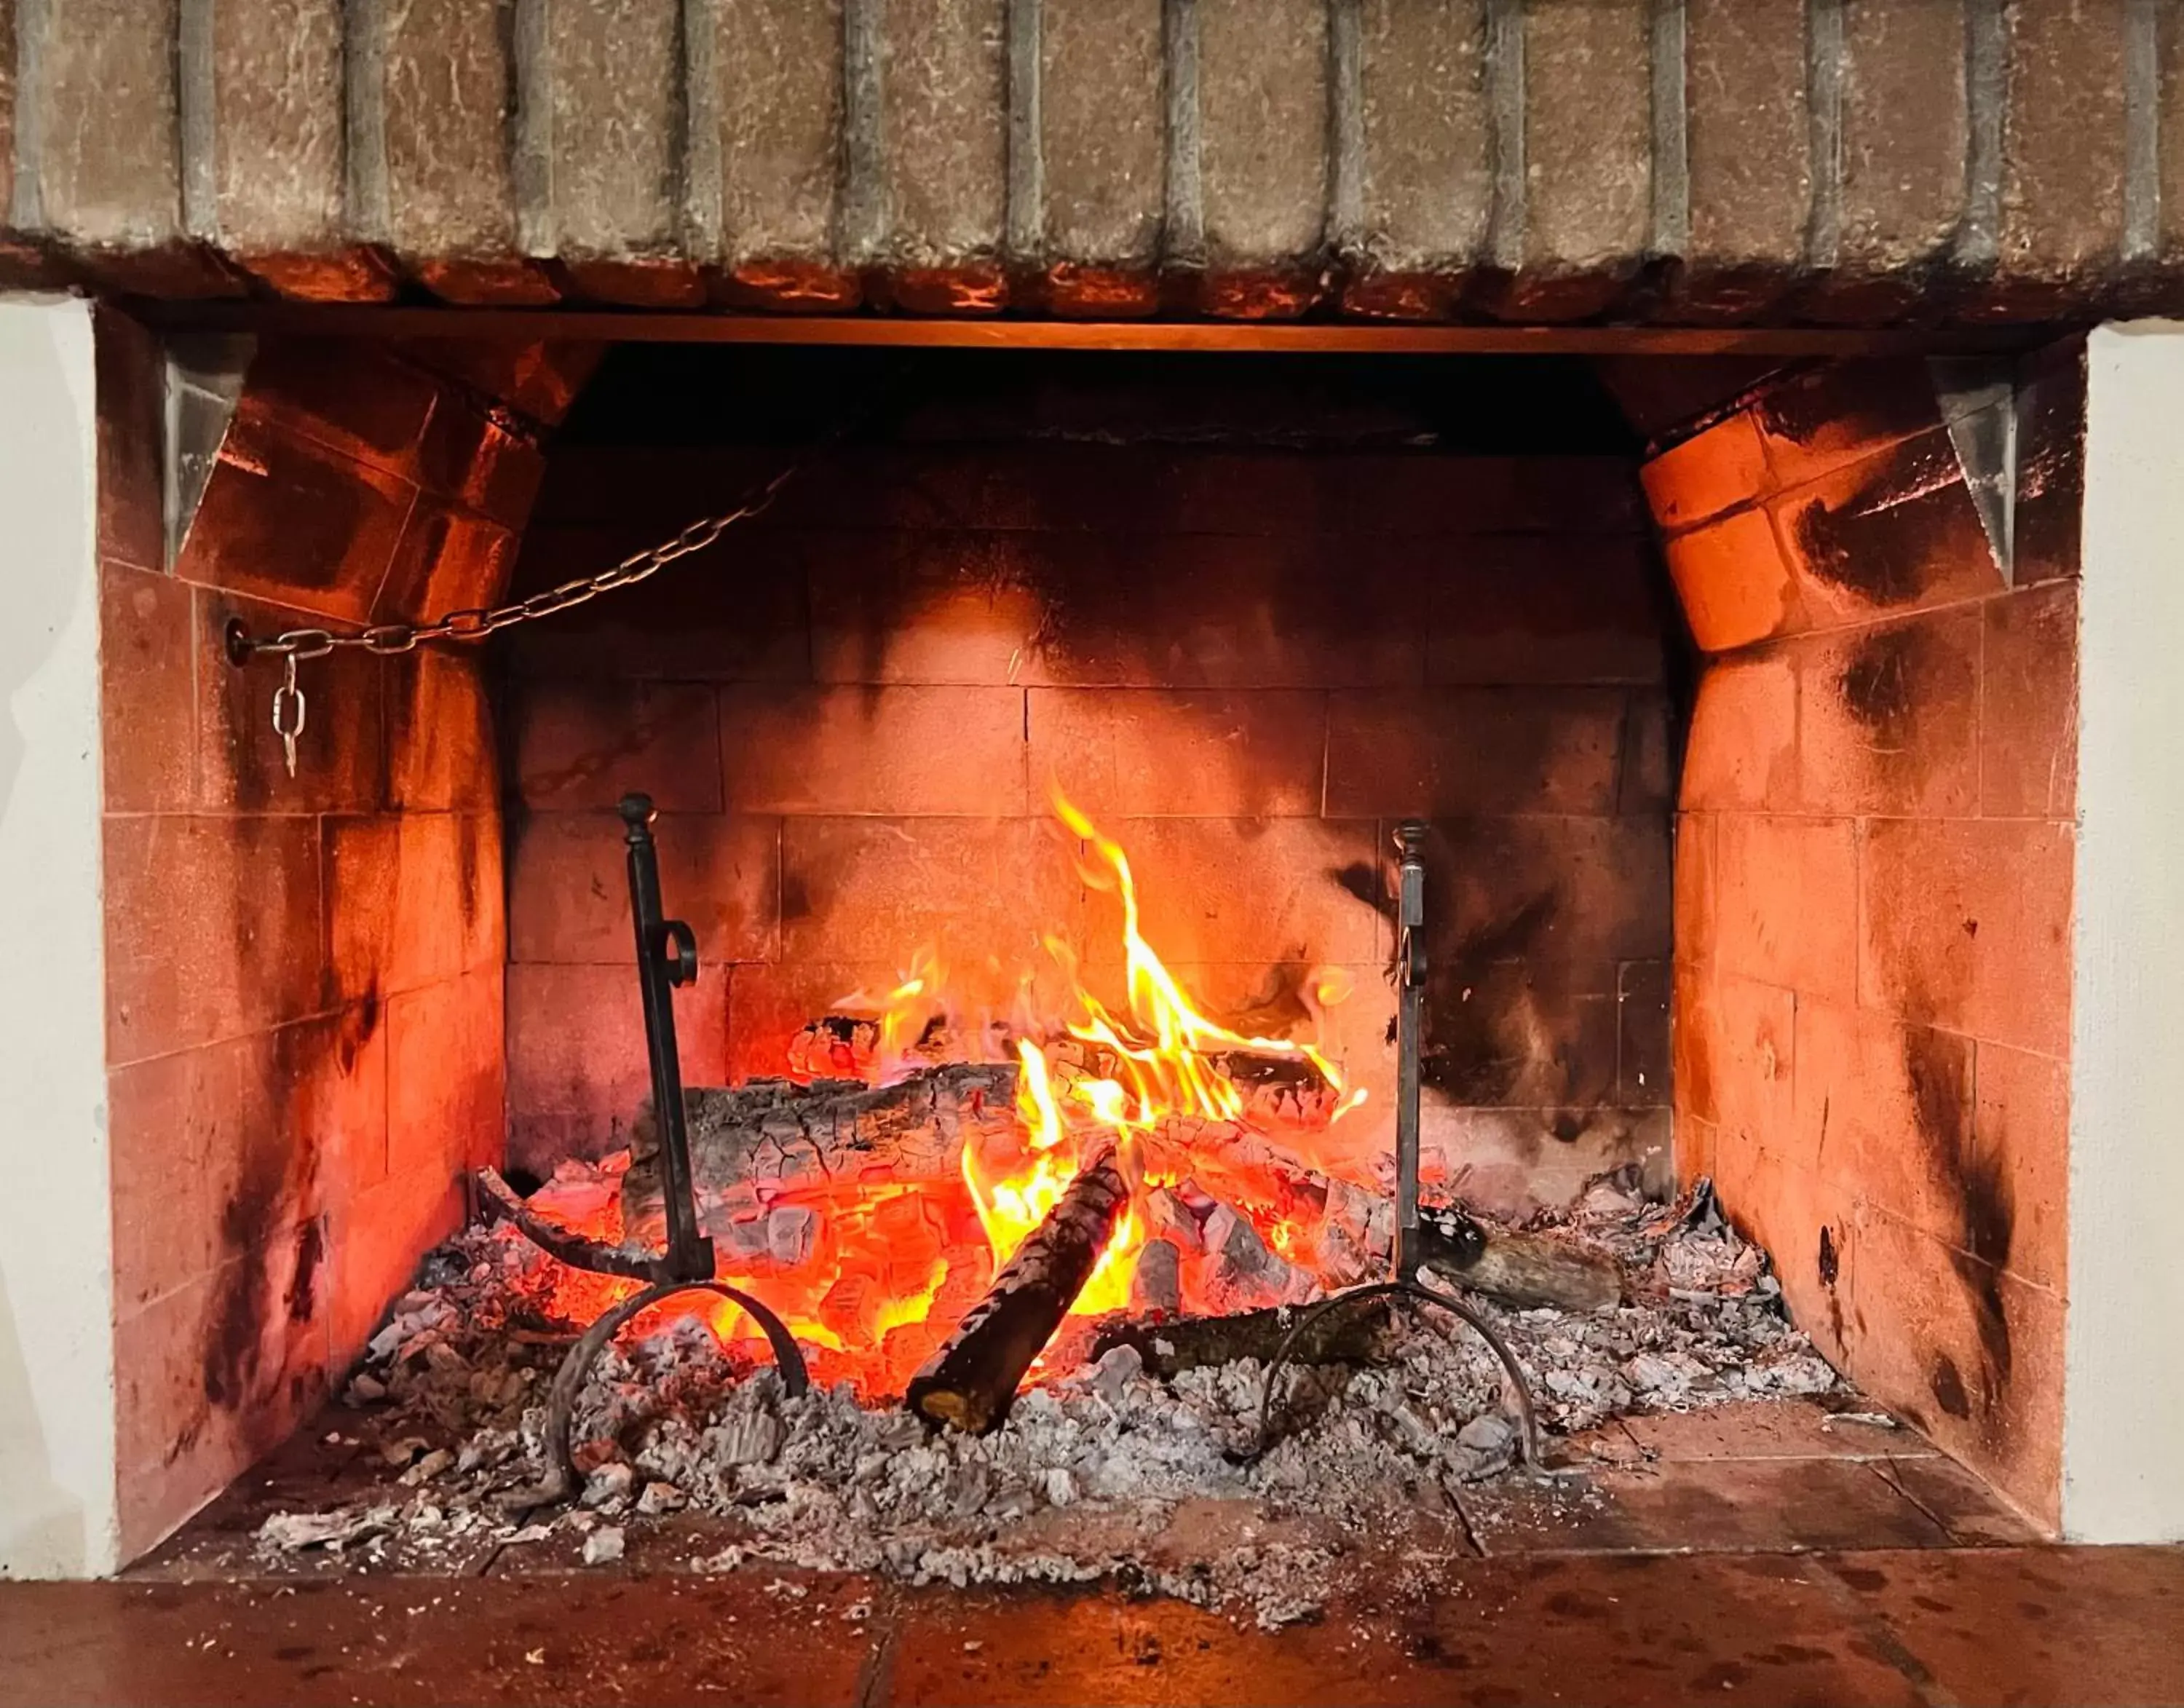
(1032, 769)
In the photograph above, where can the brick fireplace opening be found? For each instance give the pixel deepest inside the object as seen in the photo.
(1738, 701)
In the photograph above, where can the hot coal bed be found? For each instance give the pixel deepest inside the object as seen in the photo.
(1086, 983)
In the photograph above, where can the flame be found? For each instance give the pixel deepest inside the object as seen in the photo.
(1163, 1050)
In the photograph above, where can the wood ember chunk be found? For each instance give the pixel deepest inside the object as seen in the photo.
(1157, 1283)
(970, 1383)
(1239, 1273)
(1520, 1268)
(791, 1231)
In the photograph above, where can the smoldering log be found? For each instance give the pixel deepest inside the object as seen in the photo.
(1354, 1336)
(971, 1382)
(1520, 1269)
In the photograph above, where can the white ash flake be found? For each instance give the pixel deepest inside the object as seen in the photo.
(1086, 1478)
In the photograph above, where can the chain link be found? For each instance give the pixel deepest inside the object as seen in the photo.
(476, 622)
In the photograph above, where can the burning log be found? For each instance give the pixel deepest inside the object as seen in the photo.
(1341, 1337)
(778, 1132)
(971, 1382)
(1526, 1269)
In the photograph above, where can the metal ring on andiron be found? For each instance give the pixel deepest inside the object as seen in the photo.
(561, 1476)
(1528, 1430)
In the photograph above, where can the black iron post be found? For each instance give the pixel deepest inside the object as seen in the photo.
(667, 956)
(1410, 1019)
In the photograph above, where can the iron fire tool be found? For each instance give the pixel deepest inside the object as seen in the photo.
(666, 958)
(1414, 1236)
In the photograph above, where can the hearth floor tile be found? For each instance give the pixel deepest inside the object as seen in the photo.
(2018, 1625)
(1704, 1506)
(1774, 1429)
(1972, 1513)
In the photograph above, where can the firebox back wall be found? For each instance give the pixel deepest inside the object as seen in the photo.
(1246, 664)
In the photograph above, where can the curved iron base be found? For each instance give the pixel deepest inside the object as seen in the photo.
(562, 1480)
(1415, 1292)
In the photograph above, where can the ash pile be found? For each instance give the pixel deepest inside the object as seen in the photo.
(1119, 1435)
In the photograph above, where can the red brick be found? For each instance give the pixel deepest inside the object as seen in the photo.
(444, 1076)
(577, 1069)
(443, 101)
(892, 751)
(177, 1446)
(148, 651)
(375, 1244)
(1145, 751)
(1843, 413)
(1695, 1149)
(1578, 890)
(441, 751)
(1753, 1066)
(923, 606)
(129, 382)
(1779, 1202)
(1710, 472)
(1788, 899)
(351, 398)
(538, 380)
(1888, 717)
(447, 559)
(212, 928)
(1226, 610)
(1974, 1357)
(1749, 152)
(412, 901)
(1240, 890)
(275, 1126)
(1643, 993)
(1396, 492)
(1538, 608)
(1742, 750)
(1735, 584)
(472, 460)
(1695, 1044)
(739, 616)
(1455, 752)
(2029, 704)
(1648, 782)
(288, 520)
(862, 892)
(1697, 889)
(2021, 1134)
(2048, 523)
(341, 756)
(568, 897)
(1967, 924)
(588, 744)
(1894, 532)
(2062, 150)
(1884, 1112)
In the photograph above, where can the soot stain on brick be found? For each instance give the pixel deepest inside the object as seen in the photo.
(267, 1284)
(1879, 540)
(1946, 1383)
(1881, 686)
(1982, 1193)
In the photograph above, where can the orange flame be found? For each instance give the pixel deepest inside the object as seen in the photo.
(1163, 1050)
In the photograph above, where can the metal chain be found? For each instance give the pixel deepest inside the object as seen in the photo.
(476, 622)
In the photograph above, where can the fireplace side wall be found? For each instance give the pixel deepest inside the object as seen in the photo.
(1874, 882)
(1245, 664)
(304, 976)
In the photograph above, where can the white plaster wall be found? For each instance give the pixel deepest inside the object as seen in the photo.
(57, 1482)
(2123, 1431)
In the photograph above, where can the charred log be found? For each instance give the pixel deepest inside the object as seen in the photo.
(971, 1382)
(1349, 1336)
(1526, 1269)
(778, 1132)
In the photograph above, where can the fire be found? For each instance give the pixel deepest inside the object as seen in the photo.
(1164, 1056)
(890, 1264)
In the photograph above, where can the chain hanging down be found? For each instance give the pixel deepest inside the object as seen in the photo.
(473, 622)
